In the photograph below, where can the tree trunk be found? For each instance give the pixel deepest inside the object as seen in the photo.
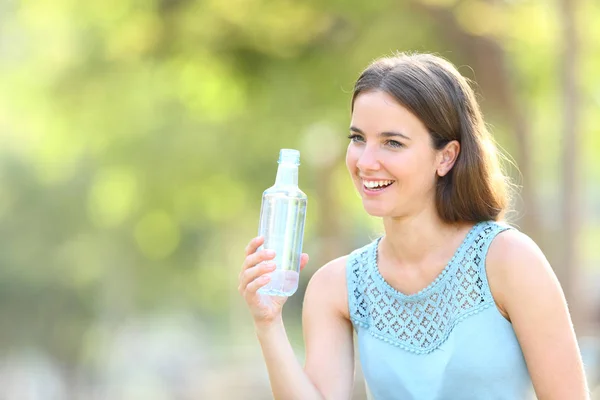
(570, 146)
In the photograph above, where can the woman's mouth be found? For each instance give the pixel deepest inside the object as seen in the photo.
(373, 187)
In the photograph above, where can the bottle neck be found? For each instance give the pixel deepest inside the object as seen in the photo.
(287, 174)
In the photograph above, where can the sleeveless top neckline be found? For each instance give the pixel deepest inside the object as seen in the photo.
(457, 254)
(421, 322)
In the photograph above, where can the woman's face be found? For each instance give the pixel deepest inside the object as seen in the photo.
(390, 157)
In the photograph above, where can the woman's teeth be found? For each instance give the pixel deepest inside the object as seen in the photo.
(377, 184)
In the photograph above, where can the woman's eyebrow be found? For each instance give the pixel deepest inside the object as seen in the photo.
(382, 134)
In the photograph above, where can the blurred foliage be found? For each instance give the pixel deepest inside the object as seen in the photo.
(137, 137)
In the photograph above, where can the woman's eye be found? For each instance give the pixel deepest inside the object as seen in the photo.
(355, 138)
(390, 143)
(394, 144)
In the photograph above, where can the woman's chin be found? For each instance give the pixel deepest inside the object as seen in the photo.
(376, 211)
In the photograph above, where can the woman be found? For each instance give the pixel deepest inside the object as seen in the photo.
(450, 303)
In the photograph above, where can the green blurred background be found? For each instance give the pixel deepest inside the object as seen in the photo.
(136, 138)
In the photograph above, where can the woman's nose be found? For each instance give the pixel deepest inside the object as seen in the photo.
(368, 160)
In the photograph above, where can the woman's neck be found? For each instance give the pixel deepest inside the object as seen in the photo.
(414, 240)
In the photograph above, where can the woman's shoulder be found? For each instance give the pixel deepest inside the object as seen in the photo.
(332, 273)
(330, 282)
(328, 286)
(511, 248)
(514, 266)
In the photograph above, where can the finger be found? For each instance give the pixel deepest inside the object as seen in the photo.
(257, 257)
(254, 244)
(253, 273)
(256, 284)
(303, 261)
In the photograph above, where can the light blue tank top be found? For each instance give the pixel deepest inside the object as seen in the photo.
(446, 342)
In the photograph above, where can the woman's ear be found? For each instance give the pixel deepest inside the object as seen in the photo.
(447, 157)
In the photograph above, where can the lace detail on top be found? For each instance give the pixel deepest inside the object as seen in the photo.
(423, 321)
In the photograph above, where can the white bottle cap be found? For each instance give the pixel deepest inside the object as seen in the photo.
(289, 156)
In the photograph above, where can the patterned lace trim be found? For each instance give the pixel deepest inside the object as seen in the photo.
(418, 350)
(423, 321)
(373, 250)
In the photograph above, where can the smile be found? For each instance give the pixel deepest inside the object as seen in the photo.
(376, 186)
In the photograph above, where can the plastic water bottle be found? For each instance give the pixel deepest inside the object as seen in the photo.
(282, 218)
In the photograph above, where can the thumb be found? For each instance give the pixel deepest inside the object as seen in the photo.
(303, 261)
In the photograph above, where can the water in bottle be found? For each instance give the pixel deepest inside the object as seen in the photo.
(282, 217)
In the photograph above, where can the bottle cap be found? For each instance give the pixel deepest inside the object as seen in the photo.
(289, 156)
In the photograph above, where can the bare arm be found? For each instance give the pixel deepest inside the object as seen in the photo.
(328, 335)
(328, 332)
(528, 292)
(329, 370)
(288, 379)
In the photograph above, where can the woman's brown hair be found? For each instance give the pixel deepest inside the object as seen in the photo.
(435, 92)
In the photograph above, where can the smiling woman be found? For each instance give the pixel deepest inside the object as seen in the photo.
(435, 109)
(452, 302)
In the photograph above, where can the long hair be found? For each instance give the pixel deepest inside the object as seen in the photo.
(431, 88)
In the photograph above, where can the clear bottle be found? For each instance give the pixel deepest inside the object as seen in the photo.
(282, 218)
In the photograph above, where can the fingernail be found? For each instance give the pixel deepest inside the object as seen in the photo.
(270, 266)
(265, 278)
(269, 253)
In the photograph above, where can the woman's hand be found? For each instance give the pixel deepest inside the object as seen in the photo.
(264, 309)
